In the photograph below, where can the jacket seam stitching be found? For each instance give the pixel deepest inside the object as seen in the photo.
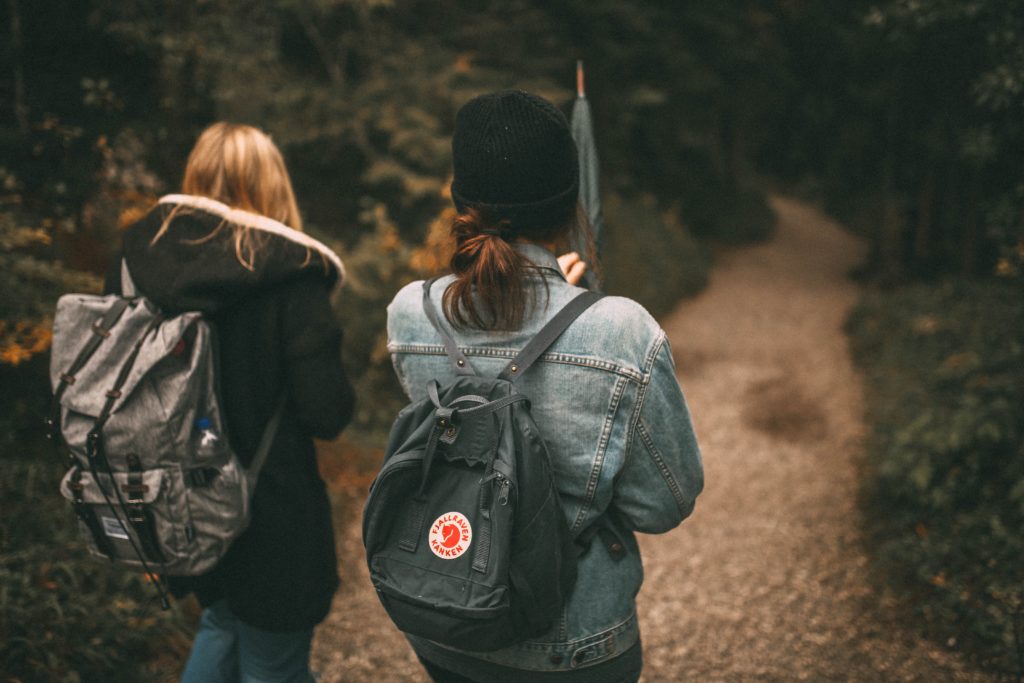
(634, 420)
(666, 473)
(599, 457)
(549, 357)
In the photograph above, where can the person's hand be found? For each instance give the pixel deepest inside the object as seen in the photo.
(573, 267)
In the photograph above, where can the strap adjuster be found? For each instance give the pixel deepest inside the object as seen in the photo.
(132, 489)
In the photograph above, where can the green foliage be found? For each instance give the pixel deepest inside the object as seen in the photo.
(377, 267)
(730, 218)
(650, 256)
(908, 112)
(945, 371)
(1005, 221)
(30, 276)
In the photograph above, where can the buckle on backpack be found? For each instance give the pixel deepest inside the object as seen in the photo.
(135, 491)
(76, 486)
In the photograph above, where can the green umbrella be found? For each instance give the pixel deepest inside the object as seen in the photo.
(590, 195)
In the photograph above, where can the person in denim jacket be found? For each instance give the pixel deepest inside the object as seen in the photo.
(604, 396)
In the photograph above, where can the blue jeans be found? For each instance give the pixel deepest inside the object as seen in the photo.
(226, 650)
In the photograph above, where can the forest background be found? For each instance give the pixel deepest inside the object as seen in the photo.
(903, 118)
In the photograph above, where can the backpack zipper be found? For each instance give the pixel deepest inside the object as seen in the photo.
(504, 490)
(504, 485)
(481, 556)
(396, 463)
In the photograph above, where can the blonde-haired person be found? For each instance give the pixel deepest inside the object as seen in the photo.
(231, 246)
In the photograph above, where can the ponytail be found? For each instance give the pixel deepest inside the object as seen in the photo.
(488, 291)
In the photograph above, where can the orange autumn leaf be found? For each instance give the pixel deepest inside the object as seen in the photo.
(463, 63)
(23, 340)
(434, 255)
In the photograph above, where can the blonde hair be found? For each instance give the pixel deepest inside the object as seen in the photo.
(241, 167)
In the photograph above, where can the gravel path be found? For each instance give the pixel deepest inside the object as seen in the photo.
(768, 580)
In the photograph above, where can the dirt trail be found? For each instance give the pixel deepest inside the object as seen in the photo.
(768, 580)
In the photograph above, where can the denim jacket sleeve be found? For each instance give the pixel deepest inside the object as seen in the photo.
(663, 473)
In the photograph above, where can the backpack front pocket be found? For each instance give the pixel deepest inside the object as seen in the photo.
(127, 516)
(443, 607)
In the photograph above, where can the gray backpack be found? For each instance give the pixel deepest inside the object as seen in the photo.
(152, 479)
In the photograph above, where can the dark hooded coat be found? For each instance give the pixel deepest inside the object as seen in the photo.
(276, 335)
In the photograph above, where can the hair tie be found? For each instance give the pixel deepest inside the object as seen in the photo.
(497, 232)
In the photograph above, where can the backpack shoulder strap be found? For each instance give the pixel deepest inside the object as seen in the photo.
(459, 361)
(128, 288)
(266, 441)
(548, 334)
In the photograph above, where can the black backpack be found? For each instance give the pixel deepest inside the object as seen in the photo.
(465, 536)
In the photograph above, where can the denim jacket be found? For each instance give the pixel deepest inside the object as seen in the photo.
(606, 400)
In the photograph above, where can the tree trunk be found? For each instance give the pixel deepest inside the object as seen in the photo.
(335, 68)
(890, 237)
(923, 228)
(728, 144)
(971, 224)
(20, 105)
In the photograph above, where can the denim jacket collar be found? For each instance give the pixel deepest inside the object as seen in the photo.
(541, 257)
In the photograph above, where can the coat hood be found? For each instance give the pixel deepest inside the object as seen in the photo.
(187, 269)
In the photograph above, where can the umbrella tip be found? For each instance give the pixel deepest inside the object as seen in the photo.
(580, 91)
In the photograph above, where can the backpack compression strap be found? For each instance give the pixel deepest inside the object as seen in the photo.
(101, 330)
(531, 352)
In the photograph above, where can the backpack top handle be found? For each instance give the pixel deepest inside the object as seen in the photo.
(460, 362)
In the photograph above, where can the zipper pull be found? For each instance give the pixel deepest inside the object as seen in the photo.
(504, 491)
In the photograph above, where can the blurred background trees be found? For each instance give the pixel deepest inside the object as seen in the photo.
(903, 117)
(912, 126)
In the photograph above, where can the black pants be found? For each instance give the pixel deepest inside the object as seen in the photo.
(439, 675)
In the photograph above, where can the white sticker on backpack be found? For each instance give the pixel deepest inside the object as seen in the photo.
(450, 535)
(114, 528)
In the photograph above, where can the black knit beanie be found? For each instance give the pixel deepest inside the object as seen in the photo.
(515, 160)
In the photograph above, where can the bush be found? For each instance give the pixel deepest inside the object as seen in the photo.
(377, 267)
(729, 216)
(945, 498)
(65, 616)
(649, 255)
